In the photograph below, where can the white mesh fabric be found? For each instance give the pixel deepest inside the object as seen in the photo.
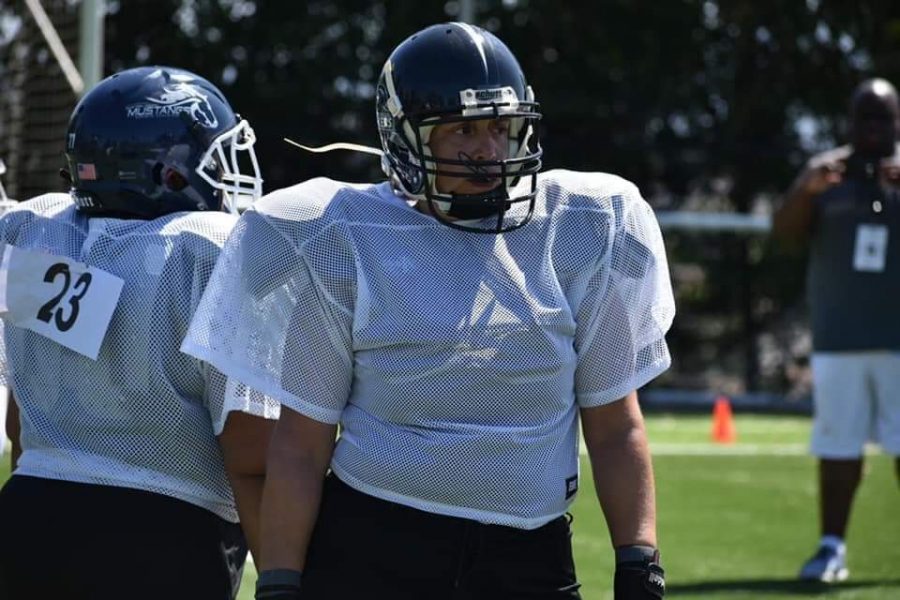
(143, 415)
(454, 361)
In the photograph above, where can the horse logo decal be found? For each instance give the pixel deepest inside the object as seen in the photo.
(176, 99)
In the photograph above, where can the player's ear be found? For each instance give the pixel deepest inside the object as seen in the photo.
(66, 176)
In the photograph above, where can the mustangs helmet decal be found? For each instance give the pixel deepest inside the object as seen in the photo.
(174, 99)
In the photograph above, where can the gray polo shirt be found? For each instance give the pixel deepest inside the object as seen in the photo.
(854, 268)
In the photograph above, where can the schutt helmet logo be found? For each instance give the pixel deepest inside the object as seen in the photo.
(486, 95)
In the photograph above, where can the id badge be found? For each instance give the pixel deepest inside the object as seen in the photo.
(870, 249)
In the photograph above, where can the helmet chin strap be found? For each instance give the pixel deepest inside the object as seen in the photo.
(465, 207)
(336, 146)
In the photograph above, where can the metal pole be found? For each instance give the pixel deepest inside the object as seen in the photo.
(45, 25)
(3, 200)
(90, 49)
(467, 11)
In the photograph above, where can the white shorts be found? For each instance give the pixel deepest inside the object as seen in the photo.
(856, 399)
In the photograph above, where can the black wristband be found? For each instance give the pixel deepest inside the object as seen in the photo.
(278, 584)
(636, 553)
(639, 575)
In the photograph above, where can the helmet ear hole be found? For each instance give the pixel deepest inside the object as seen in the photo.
(174, 180)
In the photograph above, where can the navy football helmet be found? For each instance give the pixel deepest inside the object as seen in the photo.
(451, 73)
(151, 141)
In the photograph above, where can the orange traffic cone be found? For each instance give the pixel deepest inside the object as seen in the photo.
(723, 431)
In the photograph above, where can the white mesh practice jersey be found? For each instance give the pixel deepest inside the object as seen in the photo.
(454, 361)
(143, 414)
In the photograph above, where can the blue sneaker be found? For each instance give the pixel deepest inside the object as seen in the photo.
(828, 565)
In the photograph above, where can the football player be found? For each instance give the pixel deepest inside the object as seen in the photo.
(122, 487)
(457, 321)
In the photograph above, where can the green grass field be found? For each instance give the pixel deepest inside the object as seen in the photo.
(736, 521)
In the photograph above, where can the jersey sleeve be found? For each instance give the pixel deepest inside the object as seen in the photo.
(14, 220)
(225, 395)
(8, 226)
(266, 321)
(627, 309)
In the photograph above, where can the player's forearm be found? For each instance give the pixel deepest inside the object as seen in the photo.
(623, 478)
(290, 505)
(244, 441)
(248, 491)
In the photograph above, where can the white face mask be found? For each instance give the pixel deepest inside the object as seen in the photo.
(239, 190)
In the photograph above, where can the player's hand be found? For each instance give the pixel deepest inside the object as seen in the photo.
(278, 584)
(639, 575)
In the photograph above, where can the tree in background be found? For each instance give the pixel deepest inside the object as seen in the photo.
(706, 105)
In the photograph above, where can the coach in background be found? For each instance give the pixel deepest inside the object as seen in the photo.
(457, 321)
(846, 207)
(121, 488)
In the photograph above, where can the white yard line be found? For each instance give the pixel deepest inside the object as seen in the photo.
(706, 449)
(710, 449)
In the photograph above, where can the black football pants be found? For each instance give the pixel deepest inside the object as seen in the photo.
(75, 541)
(364, 547)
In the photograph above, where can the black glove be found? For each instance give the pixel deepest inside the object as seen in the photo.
(638, 574)
(278, 584)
